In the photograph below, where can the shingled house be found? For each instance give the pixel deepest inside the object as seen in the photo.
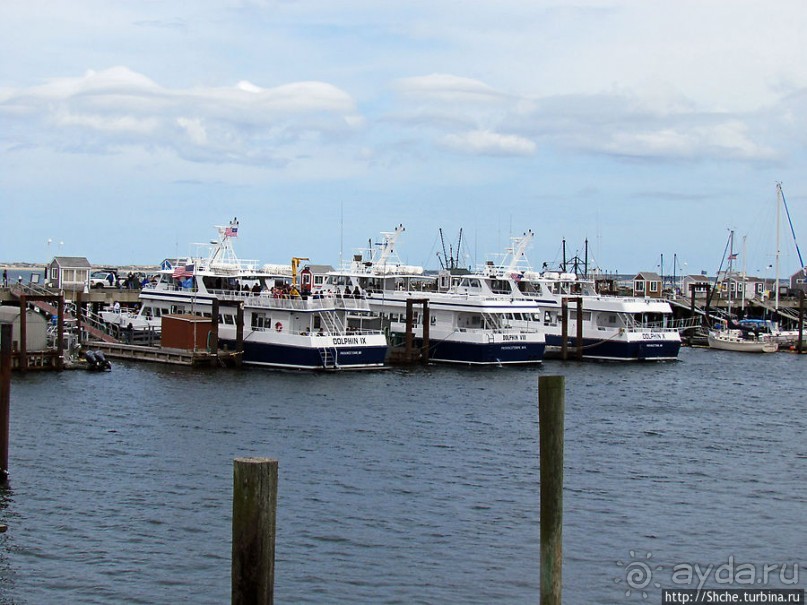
(68, 272)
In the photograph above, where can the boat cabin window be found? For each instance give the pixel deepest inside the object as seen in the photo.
(500, 286)
(228, 319)
(260, 321)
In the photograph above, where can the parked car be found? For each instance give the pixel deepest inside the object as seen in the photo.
(104, 279)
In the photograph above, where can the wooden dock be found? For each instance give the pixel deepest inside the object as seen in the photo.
(166, 355)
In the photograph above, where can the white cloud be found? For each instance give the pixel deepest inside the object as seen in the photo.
(484, 142)
(242, 121)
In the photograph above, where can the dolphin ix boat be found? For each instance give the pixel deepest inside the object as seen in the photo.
(284, 324)
(461, 328)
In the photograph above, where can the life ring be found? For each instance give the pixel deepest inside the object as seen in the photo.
(279, 327)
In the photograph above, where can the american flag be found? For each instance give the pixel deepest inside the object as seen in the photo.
(183, 271)
(733, 256)
(231, 231)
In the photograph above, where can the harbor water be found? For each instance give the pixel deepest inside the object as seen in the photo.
(404, 486)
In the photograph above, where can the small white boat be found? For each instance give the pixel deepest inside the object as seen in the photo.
(740, 340)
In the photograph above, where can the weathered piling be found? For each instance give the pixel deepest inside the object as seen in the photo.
(800, 347)
(254, 512)
(564, 328)
(551, 404)
(5, 398)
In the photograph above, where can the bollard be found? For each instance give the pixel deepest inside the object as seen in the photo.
(254, 512)
(551, 404)
(5, 398)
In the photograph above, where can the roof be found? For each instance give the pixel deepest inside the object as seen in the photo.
(649, 276)
(72, 261)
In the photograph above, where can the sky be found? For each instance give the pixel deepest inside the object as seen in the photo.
(650, 129)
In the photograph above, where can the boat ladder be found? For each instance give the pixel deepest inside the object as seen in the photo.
(328, 356)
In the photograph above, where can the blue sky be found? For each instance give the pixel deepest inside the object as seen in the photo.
(129, 128)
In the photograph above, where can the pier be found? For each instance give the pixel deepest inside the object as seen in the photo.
(171, 356)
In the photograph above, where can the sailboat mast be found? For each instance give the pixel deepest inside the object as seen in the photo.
(730, 269)
(776, 271)
(742, 305)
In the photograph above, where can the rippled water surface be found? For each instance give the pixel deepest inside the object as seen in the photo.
(402, 486)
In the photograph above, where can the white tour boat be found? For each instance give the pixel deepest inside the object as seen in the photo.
(284, 324)
(615, 328)
(462, 328)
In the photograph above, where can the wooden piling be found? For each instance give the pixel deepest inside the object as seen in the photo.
(579, 328)
(60, 334)
(5, 398)
(409, 337)
(800, 346)
(23, 345)
(424, 348)
(214, 333)
(551, 404)
(254, 514)
(564, 329)
(239, 328)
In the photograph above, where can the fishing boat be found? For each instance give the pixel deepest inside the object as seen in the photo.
(460, 328)
(613, 328)
(284, 324)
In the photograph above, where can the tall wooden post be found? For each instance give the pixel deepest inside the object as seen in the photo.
(23, 345)
(79, 312)
(564, 329)
(254, 514)
(800, 346)
(214, 337)
(551, 404)
(579, 328)
(5, 398)
(60, 333)
(239, 328)
(409, 336)
(424, 349)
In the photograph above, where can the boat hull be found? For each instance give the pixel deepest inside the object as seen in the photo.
(724, 343)
(616, 350)
(499, 353)
(311, 358)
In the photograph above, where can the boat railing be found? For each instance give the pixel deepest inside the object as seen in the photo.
(266, 300)
(351, 303)
(498, 330)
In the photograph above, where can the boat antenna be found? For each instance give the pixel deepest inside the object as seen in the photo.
(563, 266)
(443, 243)
(585, 261)
(459, 243)
(341, 229)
